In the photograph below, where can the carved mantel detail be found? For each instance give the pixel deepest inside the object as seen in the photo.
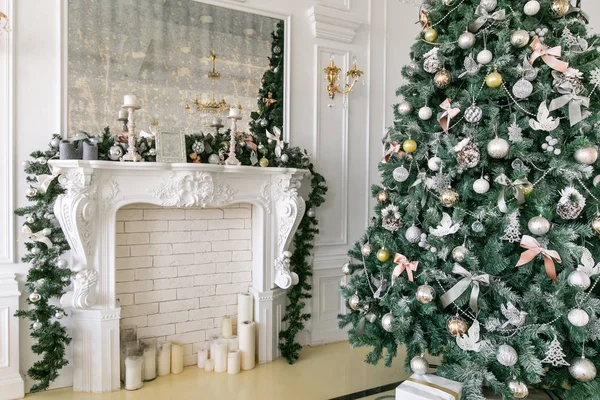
(196, 189)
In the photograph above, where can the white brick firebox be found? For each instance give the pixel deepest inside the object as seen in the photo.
(96, 190)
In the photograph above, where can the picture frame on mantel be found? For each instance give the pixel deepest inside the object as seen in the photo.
(170, 146)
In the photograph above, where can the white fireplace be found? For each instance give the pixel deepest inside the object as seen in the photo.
(96, 190)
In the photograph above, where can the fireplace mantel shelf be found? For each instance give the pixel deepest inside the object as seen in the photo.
(96, 190)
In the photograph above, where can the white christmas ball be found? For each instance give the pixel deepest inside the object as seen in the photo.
(55, 142)
(531, 7)
(115, 153)
(507, 355)
(434, 163)
(387, 321)
(37, 325)
(582, 369)
(518, 389)
(346, 269)
(366, 249)
(59, 314)
(46, 231)
(466, 40)
(284, 158)
(400, 174)
(481, 186)
(354, 302)
(413, 234)
(214, 159)
(578, 317)
(30, 192)
(485, 57)
(62, 263)
(519, 38)
(498, 148)
(489, 5)
(26, 164)
(538, 225)
(42, 160)
(310, 213)
(419, 365)
(586, 156)
(35, 297)
(459, 253)
(425, 113)
(405, 108)
(35, 250)
(579, 279)
(522, 89)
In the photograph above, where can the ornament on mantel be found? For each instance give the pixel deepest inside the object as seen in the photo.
(555, 354)
(570, 204)
(391, 218)
(512, 232)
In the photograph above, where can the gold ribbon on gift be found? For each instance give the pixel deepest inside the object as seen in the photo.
(462, 286)
(518, 186)
(434, 386)
(483, 16)
(549, 55)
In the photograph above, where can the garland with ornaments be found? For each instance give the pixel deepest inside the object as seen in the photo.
(485, 245)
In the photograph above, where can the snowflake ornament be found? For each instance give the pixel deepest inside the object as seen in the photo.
(515, 132)
(595, 77)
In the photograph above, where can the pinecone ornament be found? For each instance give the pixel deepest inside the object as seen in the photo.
(391, 218)
(431, 62)
(469, 156)
(570, 204)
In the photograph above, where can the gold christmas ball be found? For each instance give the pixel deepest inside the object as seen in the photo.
(596, 224)
(493, 80)
(527, 190)
(383, 255)
(264, 162)
(442, 79)
(431, 35)
(560, 7)
(425, 294)
(448, 197)
(383, 196)
(409, 146)
(457, 326)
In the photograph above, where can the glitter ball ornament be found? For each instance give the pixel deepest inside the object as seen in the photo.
(62, 263)
(276, 50)
(518, 389)
(586, 156)
(596, 224)
(498, 148)
(115, 153)
(473, 114)
(431, 35)
(366, 249)
(531, 8)
(413, 234)
(387, 321)
(354, 302)
(264, 123)
(35, 297)
(481, 186)
(578, 317)
(442, 79)
(507, 355)
(405, 108)
(425, 294)
(466, 40)
(400, 174)
(434, 163)
(489, 5)
(456, 326)
(519, 38)
(579, 279)
(522, 89)
(448, 197)
(582, 369)
(214, 159)
(431, 61)
(560, 7)
(30, 192)
(419, 365)
(570, 204)
(59, 314)
(383, 255)
(383, 196)
(412, 68)
(538, 225)
(425, 113)
(493, 80)
(37, 325)
(459, 253)
(264, 162)
(477, 226)
(484, 57)
(346, 270)
(468, 156)
(409, 146)
(198, 147)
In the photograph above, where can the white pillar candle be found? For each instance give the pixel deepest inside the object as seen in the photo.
(233, 343)
(164, 360)
(209, 365)
(150, 363)
(202, 357)
(220, 357)
(233, 362)
(234, 112)
(227, 327)
(133, 372)
(217, 121)
(245, 307)
(176, 358)
(123, 114)
(212, 346)
(247, 337)
(130, 100)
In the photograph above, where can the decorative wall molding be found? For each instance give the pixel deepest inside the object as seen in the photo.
(329, 23)
(343, 5)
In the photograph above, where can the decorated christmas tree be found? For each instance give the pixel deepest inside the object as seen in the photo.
(486, 233)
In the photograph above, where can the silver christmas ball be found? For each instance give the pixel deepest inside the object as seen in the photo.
(62, 263)
(264, 123)
(30, 219)
(115, 153)
(419, 365)
(519, 38)
(518, 389)
(586, 156)
(531, 7)
(214, 159)
(459, 253)
(425, 113)
(46, 231)
(522, 89)
(387, 321)
(366, 249)
(413, 234)
(346, 269)
(354, 302)
(412, 68)
(26, 164)
(473, 114)
(59, 314)
(55, 142)
(405, 108)
(37, 325)
(582, 369)
(434, 163)
(507, 355)
(466, 40)
(481, 186)
(285, 158)
(579, 279)
(477, 226)
(35, 250)
(489, 5)
(276, 69)
(310, 213)
(498, 148)
(400, 174)
(578, 317)
(152, 151)
(485, 57)
(425, 294)
(30, 192)
(35, 297)
(539, 225)
(42, 160)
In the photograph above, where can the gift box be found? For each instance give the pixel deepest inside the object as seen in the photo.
(428, 387)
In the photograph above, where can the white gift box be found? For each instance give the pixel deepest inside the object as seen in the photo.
(428, 387)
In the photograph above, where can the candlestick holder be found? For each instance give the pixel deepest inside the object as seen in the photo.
(232, 159)
(132, 154)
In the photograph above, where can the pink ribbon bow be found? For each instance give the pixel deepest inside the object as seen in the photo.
(404, 264)
(549, 55)
(395, 148)
(533, 249)
(249, 140)
(448, 114)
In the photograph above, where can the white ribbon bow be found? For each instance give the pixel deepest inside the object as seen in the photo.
(276, 136)
(45, 180)
(27, 234)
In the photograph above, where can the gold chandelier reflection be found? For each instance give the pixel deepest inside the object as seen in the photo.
(332, 75)
(212, 106)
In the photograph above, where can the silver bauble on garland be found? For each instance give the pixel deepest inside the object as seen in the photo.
(473, 114)
(354, 302)
(579, 279)
(522, 89)
(582, 369)
(518, 389)
(519, 38)
(498, 148)
(36, 326)
(412, 68)
(35, 250)
(346, 270)
(310, 213)
(507, 355)
(425, 294)
(366, 249)
(387, 321)
(115, 153)
(30, 192)
(466, 40)
(578, 317)
(400, 174)
(434, 163)
(481, 186)
(459, 253)
(538, 225)
(419, 365)
(485, 57)
(35, 297)
(405, 108)
(425, 113)
(59, 314)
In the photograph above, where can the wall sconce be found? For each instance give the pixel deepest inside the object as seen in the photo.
(332, 74)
